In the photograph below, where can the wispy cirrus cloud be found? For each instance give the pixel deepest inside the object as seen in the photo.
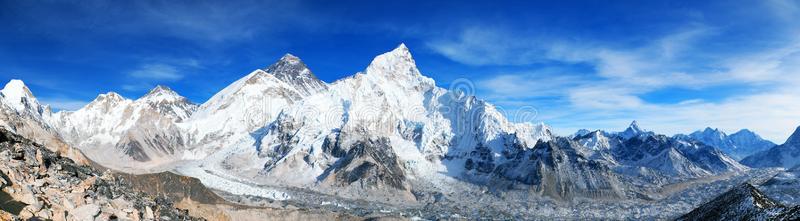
(157, 72)
(63, 103)
(613, 91)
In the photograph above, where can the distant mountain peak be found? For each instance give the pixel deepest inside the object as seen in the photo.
(712, 130)
(19, 97)
(162, 93)
(106, 101)
(402, 49)
(635, 126)
(290, 58)
(288, 65)
(745, 131)
(581, 132)
(739, 145)
(396, 62)
(15, 90)
(291, 70)
(633, 130)
(110, 96)
(159, 89)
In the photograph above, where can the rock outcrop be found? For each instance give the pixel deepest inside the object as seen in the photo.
(38, 184)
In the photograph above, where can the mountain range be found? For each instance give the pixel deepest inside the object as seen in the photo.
(387, 134)
(786, 155)
(739, 145)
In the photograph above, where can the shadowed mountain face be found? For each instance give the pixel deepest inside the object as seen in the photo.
(293, 71)
(371, 163)
(786, 155)
(743, 202)
(558, 169)
(738, 145)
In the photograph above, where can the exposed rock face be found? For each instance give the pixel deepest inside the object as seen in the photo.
(174, 187)
(743, 202)
(370, 164)
(558, 169)
(51, 187)
(674, 157)
(121, 133)
(293, 71)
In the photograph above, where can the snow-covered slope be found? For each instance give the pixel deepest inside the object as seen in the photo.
(249, 104)
(18, 97)
(387, 132)
(638, 152)
(120, 133)
(674, 157)
(786, 155)
(390, 113)
(633, 131)
(739, 145)
(21, 113)
(391, 104)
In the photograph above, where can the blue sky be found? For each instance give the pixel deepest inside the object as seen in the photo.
(674, 66)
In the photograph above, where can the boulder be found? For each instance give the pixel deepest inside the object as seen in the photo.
(85, 212)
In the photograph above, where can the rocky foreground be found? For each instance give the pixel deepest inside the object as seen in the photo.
(38, 184)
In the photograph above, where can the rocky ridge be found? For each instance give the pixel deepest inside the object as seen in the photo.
(40, 184)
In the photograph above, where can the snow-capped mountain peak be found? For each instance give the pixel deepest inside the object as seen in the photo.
(581, 132)
(786, 155)
(168, 102)
(714, 137)
(738, 145)
(633, 130)
(161, 92)
(714, 132)
(106, 101)
(291, 70)
(397, 62)
(18, 96)
(17, 89)
(745, 132)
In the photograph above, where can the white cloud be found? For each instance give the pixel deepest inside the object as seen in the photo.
(63, 103)
(157, 72)
(490, 46)
(611, 96)
(784, 9)
(530, 85)
(603, 97)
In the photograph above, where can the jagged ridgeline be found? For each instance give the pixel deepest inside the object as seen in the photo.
(386, 134)
(743, 202)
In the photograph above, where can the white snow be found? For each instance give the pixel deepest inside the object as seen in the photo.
(16, 95)
(261, 132)
(233, 186)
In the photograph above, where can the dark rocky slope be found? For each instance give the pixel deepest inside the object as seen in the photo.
(40, 184)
